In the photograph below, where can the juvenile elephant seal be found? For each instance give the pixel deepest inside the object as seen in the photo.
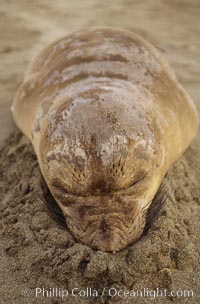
(107, 118)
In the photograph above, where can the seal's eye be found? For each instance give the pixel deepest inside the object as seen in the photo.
(138, 179)
(61, 194)
(58, 185)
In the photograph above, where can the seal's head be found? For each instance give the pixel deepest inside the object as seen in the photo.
(100, 162)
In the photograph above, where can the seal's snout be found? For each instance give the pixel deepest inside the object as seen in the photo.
(109, 243)
(108, 237)
(107, 223)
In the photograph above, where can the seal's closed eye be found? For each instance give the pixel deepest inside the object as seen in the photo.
(138, 180)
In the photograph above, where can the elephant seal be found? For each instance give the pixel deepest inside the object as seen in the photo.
(107, 118)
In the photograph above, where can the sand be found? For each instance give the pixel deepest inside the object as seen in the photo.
(37, 250)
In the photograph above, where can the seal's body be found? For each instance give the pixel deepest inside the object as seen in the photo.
(107, 118)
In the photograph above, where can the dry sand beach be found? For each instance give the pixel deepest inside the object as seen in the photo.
(36, 249)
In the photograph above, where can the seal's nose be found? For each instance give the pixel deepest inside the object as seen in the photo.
(108, 238)
(109, 244)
